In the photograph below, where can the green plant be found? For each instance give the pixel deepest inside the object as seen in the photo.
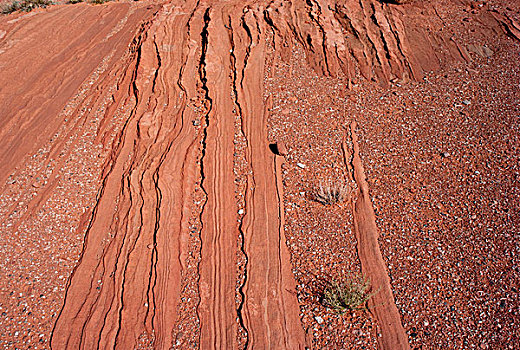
(349, 295)
(331, 193)
(25, 5)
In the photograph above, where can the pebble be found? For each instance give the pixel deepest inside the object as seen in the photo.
(318, 319)
(282, 150)
(301, 165)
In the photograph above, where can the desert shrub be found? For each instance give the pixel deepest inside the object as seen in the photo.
(25, 5)
(398, 2)
(10, 8)
(75, 1)
(99, 1)
(331, 193)
(349, 295)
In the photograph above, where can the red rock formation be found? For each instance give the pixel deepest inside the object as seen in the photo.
(170, 89)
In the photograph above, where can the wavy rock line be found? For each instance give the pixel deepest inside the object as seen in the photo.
(124, 289)
(382, 304)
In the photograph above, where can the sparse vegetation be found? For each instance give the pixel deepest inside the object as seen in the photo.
(398, 2)
(347, 296)
(332, 193)
(75, 1)
(99, 1)
(25, 5)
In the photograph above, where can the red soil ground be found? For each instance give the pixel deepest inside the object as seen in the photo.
(142, 206)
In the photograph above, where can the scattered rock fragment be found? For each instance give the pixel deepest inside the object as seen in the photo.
(480, 50)
(278, 148)
(282, 150)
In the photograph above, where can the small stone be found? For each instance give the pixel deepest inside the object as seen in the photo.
(445, 154)
(466, 102)
(357, 332)
(301, 165)
(240, 211)
(280, 147)
(318, 319)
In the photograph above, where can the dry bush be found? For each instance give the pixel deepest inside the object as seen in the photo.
(332, 193)
(398, 2)
(25, 5)
(350, 295)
